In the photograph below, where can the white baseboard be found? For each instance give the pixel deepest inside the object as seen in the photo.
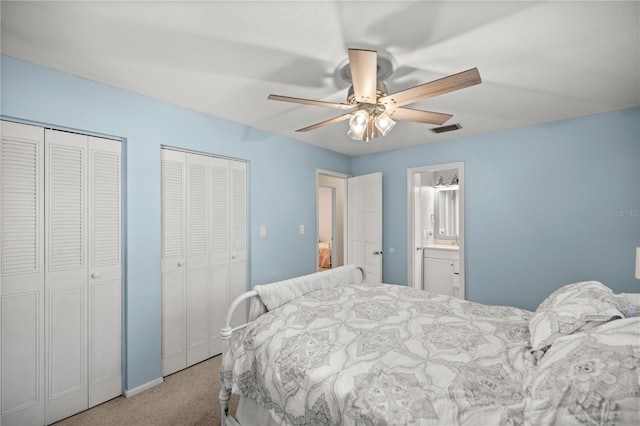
(132, 392)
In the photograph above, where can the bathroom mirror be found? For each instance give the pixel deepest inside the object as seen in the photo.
(446, 213)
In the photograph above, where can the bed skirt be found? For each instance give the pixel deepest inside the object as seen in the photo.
(248, 411)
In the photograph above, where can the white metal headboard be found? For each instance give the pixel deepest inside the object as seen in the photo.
(227, 331)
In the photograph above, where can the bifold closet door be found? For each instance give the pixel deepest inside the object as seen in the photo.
(83, 278)
(66, 274)
(238, 236)
(22, 273)
(173, 263)
(220, 249)
(228, 243)
(204, 255)
(105, 270)
(185, 260)
(197, 298)
(61, 273)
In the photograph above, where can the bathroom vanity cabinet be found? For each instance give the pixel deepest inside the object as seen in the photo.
(442, 270)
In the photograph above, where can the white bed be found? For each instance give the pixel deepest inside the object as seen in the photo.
(331, 350)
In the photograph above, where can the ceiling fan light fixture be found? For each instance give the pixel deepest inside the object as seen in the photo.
(368, 99)
(384, 123)
(358, 124)
(371, 132)
(355, 135)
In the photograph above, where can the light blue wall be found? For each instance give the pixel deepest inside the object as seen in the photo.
(33, 93)
(536, 198)
(544, 206)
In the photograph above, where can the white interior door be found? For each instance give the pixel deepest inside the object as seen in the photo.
(364, 195)
(22, 273)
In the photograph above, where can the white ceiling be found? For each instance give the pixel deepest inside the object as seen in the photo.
(539, 61)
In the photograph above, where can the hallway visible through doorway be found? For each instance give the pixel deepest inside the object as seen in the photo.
(331, 214)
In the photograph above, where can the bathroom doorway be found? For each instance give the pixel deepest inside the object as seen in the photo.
(435, 221)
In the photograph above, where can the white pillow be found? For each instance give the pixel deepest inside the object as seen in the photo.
(571, 308)
(588, 378)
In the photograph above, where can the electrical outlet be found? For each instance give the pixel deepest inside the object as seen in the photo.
(301, 229)
(263, 230)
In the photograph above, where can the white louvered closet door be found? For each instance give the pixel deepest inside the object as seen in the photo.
(60, 223)
(105, 270)
(173, 264)
(185, 260)
(84, 268)
(22, 273)
(204, 255)
(198, 308)
(220, 249)
(228, 242)
(238, 238)
(66, 277)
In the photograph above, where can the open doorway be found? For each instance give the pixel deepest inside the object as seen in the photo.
(326, 225)
(435, 228)
(330, 218)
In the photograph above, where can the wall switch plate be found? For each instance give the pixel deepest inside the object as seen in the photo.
(301, 229)
(263, 230)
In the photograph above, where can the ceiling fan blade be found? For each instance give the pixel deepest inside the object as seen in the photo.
(326, 122)
(428, 117)
(309, 102)
(364, 74)
(434, 88)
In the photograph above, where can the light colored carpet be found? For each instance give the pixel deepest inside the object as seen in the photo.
(188, 397)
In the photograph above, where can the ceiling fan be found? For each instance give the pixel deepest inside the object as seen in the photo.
(371, 109)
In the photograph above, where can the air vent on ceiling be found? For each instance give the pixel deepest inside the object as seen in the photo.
(449, 128)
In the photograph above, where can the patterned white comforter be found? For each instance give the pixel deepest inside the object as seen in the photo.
(384, 354)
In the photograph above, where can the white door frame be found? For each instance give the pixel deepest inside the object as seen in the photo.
(344, 177)
(333, 187)
(411, 244)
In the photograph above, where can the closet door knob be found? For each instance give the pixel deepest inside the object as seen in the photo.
(181, 263)
(233, 256)
(95, 275)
